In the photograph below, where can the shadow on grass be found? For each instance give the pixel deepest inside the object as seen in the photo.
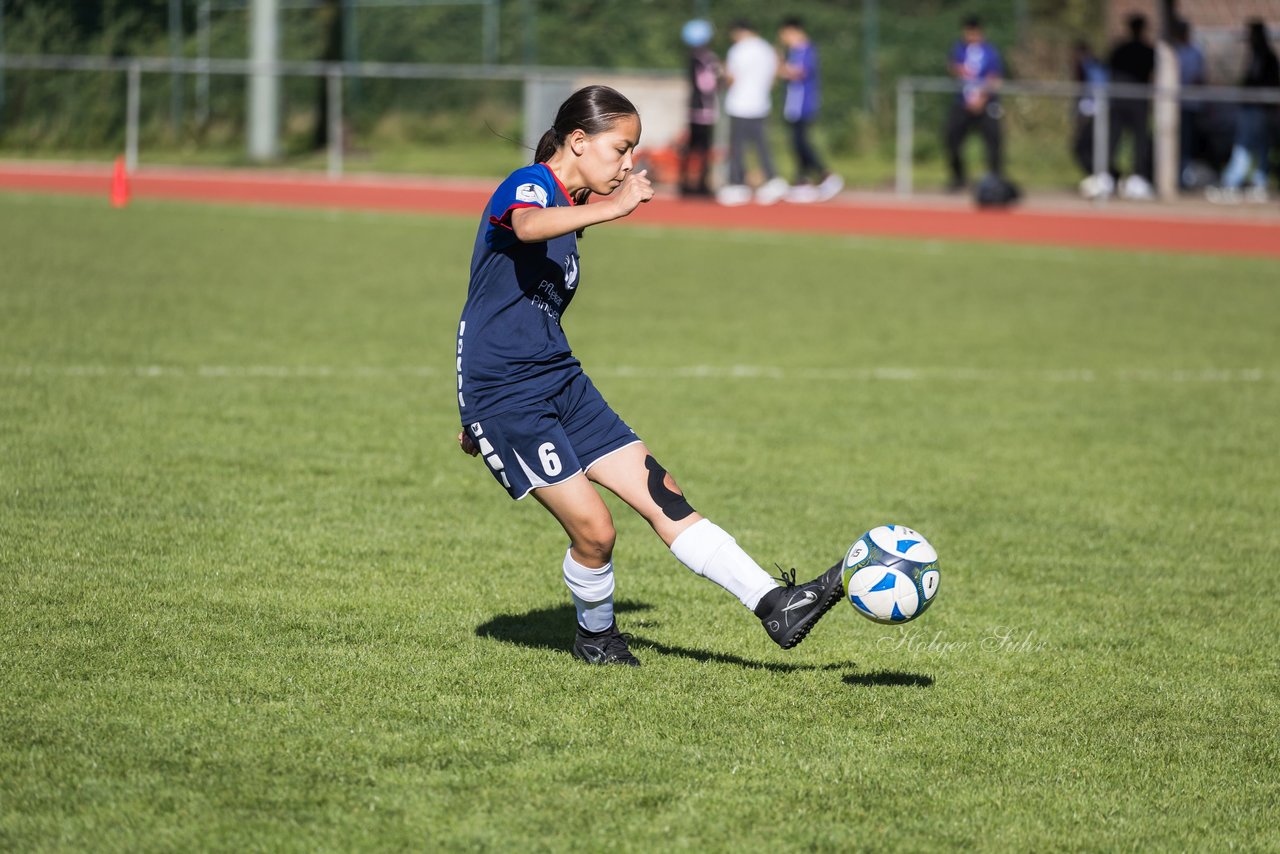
(551, 628)
(727, 658)
(887, 678)
(543, 628)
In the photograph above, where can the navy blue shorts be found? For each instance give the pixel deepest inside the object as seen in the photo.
(552, 441)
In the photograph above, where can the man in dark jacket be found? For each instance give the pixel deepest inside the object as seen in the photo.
(1133, 61)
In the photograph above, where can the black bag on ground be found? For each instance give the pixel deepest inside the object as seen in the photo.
(994, 191)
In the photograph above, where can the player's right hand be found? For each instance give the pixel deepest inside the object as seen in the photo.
(634, 191)
(467, 444)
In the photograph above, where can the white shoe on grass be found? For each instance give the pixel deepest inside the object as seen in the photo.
(803, 194)
(1135, 188)
(772, 191)
(1100, 186)
(830, 187)
(733, 195)
(1223, 195)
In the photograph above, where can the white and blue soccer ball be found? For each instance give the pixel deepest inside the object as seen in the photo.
(891, 574)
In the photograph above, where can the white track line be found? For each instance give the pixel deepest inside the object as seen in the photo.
(679, 372)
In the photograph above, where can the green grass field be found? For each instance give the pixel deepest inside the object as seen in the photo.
(254, 598)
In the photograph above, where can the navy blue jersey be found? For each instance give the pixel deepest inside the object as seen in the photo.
(511, 349)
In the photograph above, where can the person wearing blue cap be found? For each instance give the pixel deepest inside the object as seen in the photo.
(704, 107)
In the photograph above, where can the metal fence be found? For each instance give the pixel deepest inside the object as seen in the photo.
(537, 82)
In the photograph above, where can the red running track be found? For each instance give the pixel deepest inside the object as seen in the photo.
(1257, 236)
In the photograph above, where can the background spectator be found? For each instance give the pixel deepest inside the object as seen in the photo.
(977, 64)
(1088, 70)
(750, 68)
(800, 109)
(1191, 72)
(1252, 145)
(1133, 61)
(704, 108)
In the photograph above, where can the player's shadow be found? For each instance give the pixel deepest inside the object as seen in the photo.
(545, 628)
(728, 658)
(892, 678)
(541, 628)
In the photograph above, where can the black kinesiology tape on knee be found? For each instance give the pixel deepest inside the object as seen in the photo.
(673, 504)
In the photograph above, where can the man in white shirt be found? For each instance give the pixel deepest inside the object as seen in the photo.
(750, 68)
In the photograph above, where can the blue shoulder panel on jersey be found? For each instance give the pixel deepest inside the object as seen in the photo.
(529, 187)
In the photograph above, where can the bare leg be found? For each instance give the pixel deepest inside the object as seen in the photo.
(636, 477)
(588, 565)
(787, 613)
(625, 474)
(585, 518)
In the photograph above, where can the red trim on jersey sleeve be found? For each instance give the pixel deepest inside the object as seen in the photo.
(556, 178)
(505, 219)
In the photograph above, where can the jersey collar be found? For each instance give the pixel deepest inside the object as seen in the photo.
(559, 184)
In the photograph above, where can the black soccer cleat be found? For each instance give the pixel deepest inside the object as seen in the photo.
(608, 648)
(800, 606)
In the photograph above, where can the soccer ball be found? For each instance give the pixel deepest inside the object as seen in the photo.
(891, 574)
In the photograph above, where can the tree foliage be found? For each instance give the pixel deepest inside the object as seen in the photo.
(859, 64)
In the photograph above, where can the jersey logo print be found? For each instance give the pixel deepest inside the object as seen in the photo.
(570, 272)
(532, 193)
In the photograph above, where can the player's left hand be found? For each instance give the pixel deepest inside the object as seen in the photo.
(467, 444)
(635, 190)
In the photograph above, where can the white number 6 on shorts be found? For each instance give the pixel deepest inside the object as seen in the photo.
(550, 462)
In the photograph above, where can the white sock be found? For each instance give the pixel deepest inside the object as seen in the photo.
(709, 551)
(592, 591)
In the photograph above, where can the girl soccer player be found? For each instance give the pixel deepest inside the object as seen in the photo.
(530, 411)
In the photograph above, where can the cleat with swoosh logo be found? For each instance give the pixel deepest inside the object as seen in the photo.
(800, 606)
(608, 648)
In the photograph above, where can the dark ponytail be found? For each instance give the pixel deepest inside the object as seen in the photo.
(592, 109)
(547, 146)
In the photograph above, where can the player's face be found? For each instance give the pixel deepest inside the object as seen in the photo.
(607, 157)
